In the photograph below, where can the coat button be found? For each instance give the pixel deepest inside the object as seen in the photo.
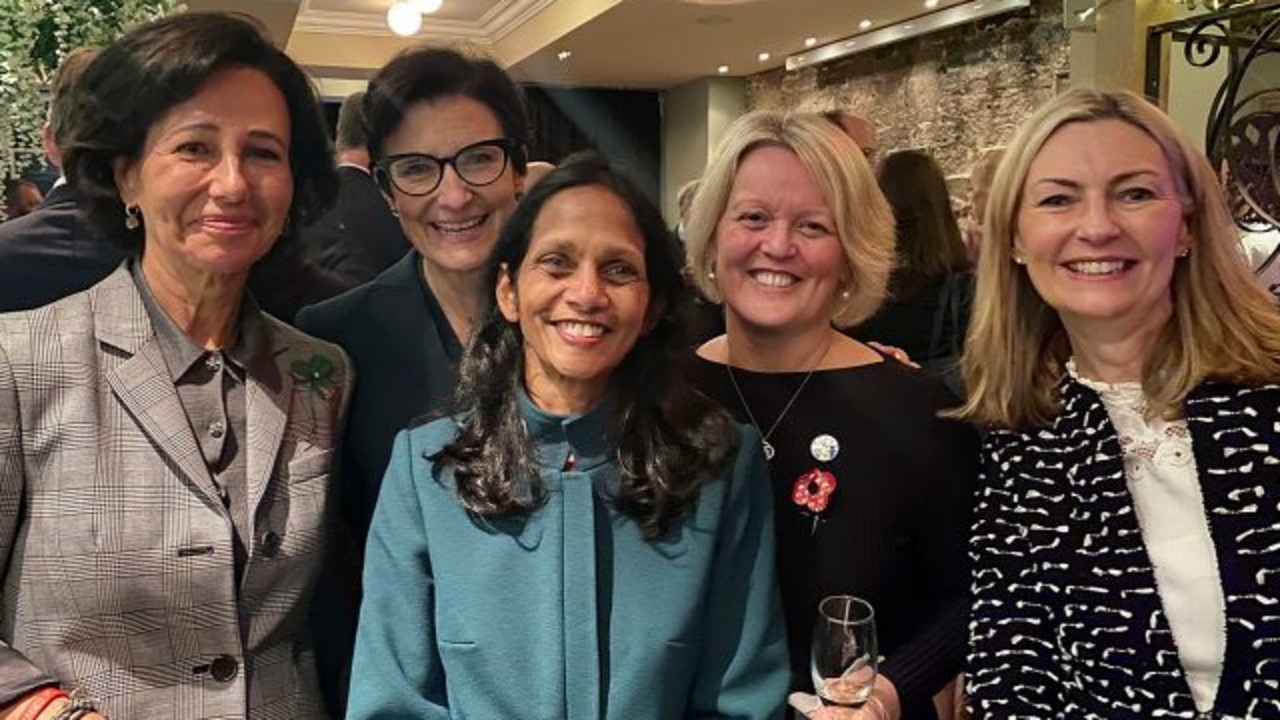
(224, 668)
(271, 544)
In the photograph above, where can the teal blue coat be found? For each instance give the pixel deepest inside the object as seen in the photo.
(569, 613)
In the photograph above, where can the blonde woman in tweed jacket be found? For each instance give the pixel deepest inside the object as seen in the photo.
(1126, 543)
(165, 447)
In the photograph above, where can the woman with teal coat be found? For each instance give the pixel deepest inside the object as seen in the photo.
(585, 537)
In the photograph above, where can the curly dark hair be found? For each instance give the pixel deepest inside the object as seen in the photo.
(670, 439)
(134, 81)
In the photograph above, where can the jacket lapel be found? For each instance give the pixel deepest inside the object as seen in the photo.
(268, 392)
(141, 380)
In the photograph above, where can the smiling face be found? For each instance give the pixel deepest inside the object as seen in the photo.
(456, 225)
(213, 182)
(1100, 227)
(779, 262)
(580, 296)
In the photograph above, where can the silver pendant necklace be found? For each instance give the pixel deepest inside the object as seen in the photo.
(769, 452)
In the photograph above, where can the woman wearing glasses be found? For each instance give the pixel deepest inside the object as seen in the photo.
(446, 134)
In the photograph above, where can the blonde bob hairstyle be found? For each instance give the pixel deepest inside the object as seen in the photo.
(862, 217)
(1223, 326)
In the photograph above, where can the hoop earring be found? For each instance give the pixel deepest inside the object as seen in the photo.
(132, 217)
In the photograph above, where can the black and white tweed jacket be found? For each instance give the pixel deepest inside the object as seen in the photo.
(1066, 620)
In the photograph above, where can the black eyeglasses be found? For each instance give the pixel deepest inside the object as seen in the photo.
(478, 164)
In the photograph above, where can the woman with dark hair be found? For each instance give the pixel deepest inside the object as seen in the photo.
(165, 447)
(447, 138)
(586, 537)
(930, 289)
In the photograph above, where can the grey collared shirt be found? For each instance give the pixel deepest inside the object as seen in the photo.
(211, 388)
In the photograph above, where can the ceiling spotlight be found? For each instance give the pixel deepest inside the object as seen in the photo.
(426, 7)
(404, 19)
(930, 4)
(810, 41)
(723, 69)
(564, 55)
(763, 57)
(947, 15)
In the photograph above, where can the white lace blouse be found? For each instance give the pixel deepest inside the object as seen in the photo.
(1160, 471)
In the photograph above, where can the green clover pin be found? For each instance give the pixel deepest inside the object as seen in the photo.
(317, 373)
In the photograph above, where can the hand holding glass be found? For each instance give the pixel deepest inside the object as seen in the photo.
(845, 657)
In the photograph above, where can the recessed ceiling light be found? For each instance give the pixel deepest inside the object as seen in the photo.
(564, 55)
(763, 57)
(906, 27)
(723, 69)
(931, 4)
(864, 24)
(404, 19)
(810, 41)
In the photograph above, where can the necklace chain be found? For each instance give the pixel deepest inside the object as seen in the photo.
(765, 435)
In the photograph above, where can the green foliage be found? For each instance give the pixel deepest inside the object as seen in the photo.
(34, 37)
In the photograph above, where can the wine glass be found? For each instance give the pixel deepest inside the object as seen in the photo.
(845, 658)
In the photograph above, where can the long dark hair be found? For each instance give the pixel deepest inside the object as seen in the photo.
(929, 244)
(669, 438)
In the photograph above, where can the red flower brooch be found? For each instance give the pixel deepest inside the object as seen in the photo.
(813, 490)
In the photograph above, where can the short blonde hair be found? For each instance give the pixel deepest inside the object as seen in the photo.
(1223, 327)
(863, 219)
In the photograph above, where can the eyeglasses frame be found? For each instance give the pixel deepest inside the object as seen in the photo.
(383, 166)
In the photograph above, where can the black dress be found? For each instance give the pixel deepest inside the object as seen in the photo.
(894, 529)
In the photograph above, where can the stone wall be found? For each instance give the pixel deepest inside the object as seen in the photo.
(952, 93)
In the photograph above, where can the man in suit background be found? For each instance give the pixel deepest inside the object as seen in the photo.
(48, 253)
(359, 236)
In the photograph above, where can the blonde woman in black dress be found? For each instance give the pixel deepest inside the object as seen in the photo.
(871, 489)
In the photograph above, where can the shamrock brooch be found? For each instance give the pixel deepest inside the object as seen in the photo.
(317, 373)
(813, 490)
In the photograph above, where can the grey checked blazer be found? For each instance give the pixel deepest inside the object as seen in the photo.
(115, 549)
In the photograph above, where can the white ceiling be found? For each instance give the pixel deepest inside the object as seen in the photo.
(614, 43)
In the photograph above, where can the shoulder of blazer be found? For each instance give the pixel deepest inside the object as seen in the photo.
(393, 293)
(69, 315)
(291, 344)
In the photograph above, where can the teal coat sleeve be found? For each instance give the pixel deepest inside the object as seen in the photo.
(744, 671)
(397, 671)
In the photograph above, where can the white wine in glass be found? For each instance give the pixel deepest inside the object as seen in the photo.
(844, 654)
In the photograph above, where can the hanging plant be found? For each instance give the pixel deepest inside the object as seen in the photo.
(34, 37)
